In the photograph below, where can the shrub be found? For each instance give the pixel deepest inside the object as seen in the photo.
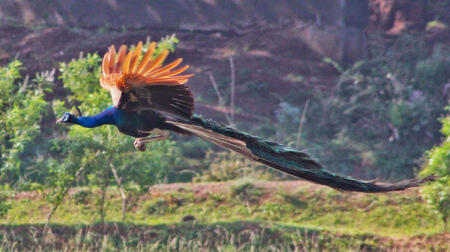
(159, 206)
(437, 193)
(224, 166)
(22, 108)
(82, 197)
(5, 204)
(246, 192)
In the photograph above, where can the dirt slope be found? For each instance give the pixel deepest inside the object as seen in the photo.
(263, 60)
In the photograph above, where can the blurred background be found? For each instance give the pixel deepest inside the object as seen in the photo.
(361, 85)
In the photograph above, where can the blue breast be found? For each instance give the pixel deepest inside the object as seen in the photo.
(127, 122)
(124, 119)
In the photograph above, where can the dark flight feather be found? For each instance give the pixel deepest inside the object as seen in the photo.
(174, 100)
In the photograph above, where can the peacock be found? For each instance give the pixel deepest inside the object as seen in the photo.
(150, 99)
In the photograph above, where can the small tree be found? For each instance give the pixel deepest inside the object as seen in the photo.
(22, 108)
(437, 193)
(104, 155)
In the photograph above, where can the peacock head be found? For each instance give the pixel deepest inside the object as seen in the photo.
(66, 118)
(70, 117)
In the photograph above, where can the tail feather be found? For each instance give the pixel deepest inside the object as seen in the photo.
(284, 158)
(216, 138)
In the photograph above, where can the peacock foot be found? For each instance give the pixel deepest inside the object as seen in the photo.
(139, 144)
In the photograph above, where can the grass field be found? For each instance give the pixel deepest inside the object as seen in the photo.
(289, 215)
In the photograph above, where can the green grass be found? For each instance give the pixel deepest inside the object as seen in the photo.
(392, 214)
(247, 236)
(342, 217)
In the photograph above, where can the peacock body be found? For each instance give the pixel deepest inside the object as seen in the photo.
(149, 96)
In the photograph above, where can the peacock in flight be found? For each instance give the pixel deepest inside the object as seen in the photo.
(150, 98)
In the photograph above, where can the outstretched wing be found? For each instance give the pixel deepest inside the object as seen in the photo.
(139, 83)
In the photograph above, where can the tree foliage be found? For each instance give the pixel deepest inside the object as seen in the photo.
(22, 107)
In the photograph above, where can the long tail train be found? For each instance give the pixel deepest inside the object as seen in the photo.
(284, 158)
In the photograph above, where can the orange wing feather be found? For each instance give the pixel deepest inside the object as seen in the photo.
(125, 69)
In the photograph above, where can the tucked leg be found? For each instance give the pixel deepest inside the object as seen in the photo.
(139, 143)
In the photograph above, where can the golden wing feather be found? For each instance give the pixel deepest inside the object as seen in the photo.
(126, 69)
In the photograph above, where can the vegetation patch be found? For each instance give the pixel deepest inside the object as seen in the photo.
(243, 236)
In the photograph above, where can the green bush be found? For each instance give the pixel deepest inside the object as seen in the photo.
(382, 118)
(246, 191)
(225, 166)
(23, 145)
(160, 206)
(82, 197)
(5, 204)
(437, 193)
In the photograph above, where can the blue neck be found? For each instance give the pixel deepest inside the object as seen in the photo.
(105, 117)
